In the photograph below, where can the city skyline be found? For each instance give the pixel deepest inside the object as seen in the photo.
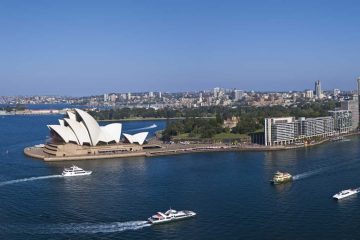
(89, 47)
(205, 90)
(204, 98)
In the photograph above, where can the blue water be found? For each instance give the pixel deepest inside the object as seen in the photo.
(229, 191)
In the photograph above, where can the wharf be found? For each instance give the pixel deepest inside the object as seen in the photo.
(160, 150)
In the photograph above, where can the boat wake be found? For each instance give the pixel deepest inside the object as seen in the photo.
(323, 170)
(92, 228)
(307, 174)
(144, 128)
(28, 179)
(78, 228)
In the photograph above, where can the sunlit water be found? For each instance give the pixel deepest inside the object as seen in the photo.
(230, 192)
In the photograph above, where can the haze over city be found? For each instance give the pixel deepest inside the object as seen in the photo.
(90, 47)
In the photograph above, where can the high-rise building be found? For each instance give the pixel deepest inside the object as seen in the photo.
(318, 92)
(336, 92)
(342, 120)
(216, 92)
(309, 94)
(151, 94)
(159, 94)
(352, 106)
(106, 97)
(113, 97)
(129, 96)
(239, 94)
(123, 96)
(200, 97)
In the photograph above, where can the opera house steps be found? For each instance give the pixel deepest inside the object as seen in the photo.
(52, 147)
(71, 151)
(50, 150)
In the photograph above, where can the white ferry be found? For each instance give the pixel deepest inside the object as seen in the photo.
(281, 177)
(170, 215)
(345, 193)
(75, 171)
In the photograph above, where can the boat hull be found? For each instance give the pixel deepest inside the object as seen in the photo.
(339, 196)
(280, 182)
(78, 174)
(170, 219)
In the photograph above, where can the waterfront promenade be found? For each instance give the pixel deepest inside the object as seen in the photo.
(161, 149)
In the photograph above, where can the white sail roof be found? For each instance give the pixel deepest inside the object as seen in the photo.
(62, 122)
(91, 125)
(82, 128)
(111, 132)
(136, 138)
(64, 132)
(79, 129)
(71, 115)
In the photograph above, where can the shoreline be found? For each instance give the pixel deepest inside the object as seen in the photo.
(173, 149)
(34, 152)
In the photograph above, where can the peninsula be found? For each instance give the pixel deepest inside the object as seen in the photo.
(79, 137)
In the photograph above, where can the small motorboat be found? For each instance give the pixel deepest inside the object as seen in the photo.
(345, 193)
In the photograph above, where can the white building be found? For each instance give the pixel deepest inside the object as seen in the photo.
(279, 130)
(336, 91)
(318, 92)
(106, 97)
(216, 92)
(286, 130)
(342, 120)
(82, 129)
(309, 94)
(113, 97)
(353, 107)
(239, 94)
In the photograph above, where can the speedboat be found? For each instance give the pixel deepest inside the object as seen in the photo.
(170, 215)
(281, 177)
(75, 171)
(345, 193)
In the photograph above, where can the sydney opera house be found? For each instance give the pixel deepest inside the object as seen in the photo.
(79, 136)
(82, 129)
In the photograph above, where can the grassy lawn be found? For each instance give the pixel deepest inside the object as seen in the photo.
(186, 136)
(219, 136)
(230, 136)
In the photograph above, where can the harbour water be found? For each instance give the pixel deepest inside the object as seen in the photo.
(229, 191)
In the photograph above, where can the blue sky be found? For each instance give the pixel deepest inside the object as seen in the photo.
(91, 47)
